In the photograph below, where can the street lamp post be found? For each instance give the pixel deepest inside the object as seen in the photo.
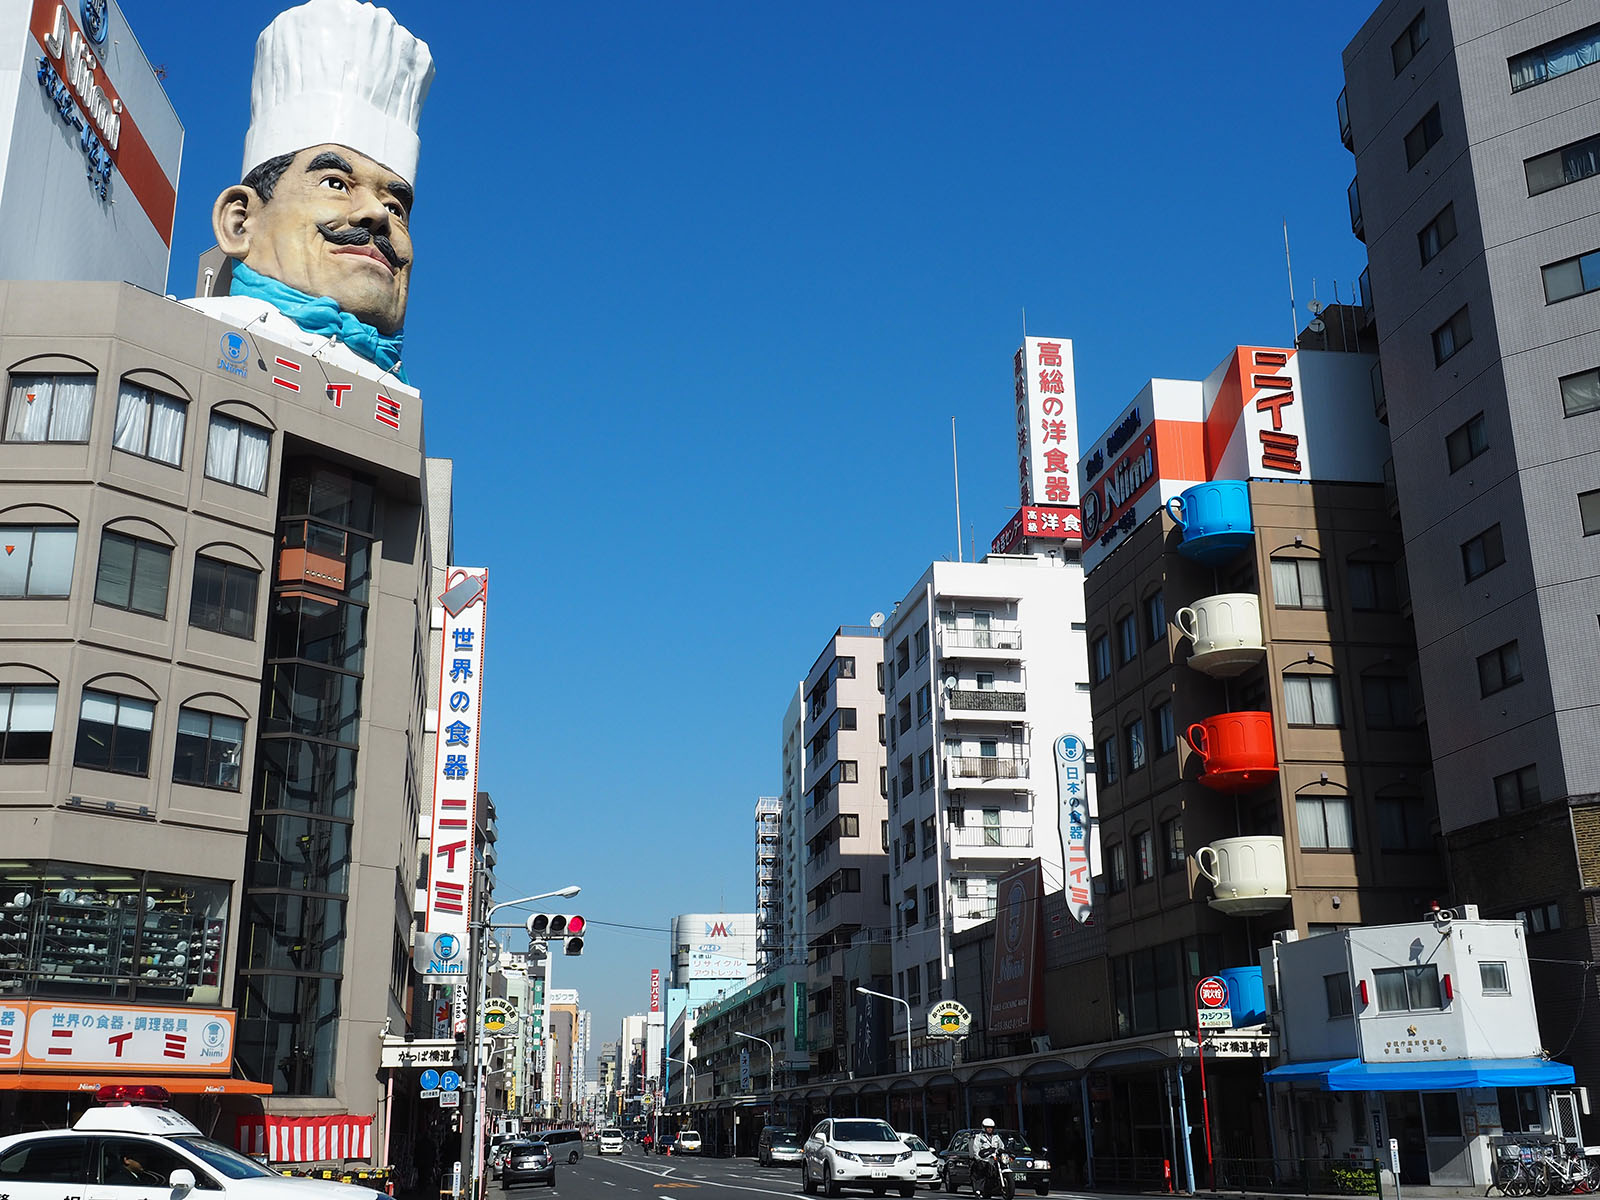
(865, 991)
(688, 1079)
(472, 1125)
(772, 1066)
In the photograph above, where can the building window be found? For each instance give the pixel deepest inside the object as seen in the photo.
(1546, 918)
(909, 907)
(114, 733)
(1482, 554)
(903, 711)
(913, 980)
(1386, 701)
(1407, 989)
(210, 750)
(1119, 869)
(984, 680)
(925, 769)
(1555, 59)
(1405, 47)
(1135, 735)
(237, 453)
(1173, 858)
(991, 827)
(924, 704)
(1494, 979)
(1299, 583)
(935, 983)
(1155, 617)
(1372, 585)
(1437, 234)
(1403, 822)
(133, 574)
(27, 720)
(1517, 790)
(1324, 822)
(1108, 757)
(1127, 639)
(39, 563)
(907, 783)
(1571, 277)
(1144, 856)
(883, 834)
(1575, 161)
(1166, 731)
(929, 842)
(1580, 393)
(49, 408)
(1423, 135)
(1337, 989)
(902, 657)
(922, 644)
(1589, 512)
(908, 839)
(1312, 700)
(224, 597)
(1465, 443)
(150, 424)
(1499, 669)
(1100, 658)
(1451, 336)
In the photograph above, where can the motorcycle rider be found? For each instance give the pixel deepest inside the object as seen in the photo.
(987, 1147)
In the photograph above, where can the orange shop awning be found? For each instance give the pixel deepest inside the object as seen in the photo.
(194, 1085)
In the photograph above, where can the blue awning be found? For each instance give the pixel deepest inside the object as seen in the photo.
(1353, 1075)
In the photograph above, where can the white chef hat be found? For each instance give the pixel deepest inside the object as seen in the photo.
(338, 71)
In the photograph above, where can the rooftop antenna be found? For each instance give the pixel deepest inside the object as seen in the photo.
(1294, 318)
(955, 462)
(1024, 320)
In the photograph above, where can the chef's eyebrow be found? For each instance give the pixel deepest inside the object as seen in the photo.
(401, 191)
(330, 160)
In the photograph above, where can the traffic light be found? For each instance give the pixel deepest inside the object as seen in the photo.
(558, 927)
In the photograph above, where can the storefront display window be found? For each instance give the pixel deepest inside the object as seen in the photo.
(76, 931)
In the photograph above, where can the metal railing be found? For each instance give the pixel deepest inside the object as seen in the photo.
(968, 766)
(993, 638)
(992, 835)
(973, 700)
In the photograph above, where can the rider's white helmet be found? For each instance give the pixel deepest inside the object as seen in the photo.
(988, 1122)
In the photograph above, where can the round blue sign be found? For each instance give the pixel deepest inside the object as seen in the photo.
(450, 1081)
(429, 1080)
(446, 946)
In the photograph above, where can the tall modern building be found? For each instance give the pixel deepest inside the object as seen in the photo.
(846, 822)
(769, 883)
(217, 600)
(1476, 135)
(984, 667)
(791, 847)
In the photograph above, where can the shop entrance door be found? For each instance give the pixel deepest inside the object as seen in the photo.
(1404, 1111)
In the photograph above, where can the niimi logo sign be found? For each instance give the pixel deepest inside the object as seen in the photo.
(235, 358)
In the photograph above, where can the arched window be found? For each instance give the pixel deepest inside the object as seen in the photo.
(1311, 699)
(1323, 819)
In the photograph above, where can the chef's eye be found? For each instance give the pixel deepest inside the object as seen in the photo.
(334, 182)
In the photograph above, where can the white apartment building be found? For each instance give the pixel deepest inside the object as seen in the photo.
(792, 839)
(845, 819)
(985, 665)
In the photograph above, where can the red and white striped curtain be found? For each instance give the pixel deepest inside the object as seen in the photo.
(305, 1139)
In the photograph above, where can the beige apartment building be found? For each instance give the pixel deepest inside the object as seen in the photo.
(214, 590)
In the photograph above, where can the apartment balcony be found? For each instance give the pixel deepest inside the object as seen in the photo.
(1225, 630)
(975, 704)
(995, 644)
(1249, 877)
(1346, 135)
(990, 841)
(975, 771)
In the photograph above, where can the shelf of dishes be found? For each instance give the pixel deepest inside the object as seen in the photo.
(63, 940)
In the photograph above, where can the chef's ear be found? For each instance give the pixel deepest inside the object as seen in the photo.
(230, 218)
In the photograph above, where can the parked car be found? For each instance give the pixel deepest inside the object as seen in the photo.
(927, 1162)
(665, 1143)
(859, 1153)
(1029, 1168)
(688, 1142)
(527, 1162)
(610, 1141)
(564, 1144)
(136, 1146)
(779, 1146)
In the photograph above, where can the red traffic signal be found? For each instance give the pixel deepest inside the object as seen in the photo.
(556, 927)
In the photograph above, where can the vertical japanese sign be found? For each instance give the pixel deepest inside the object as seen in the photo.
(1274, 419)
(1047, 421)
(655, 989)
(1072, 792)
(455, 770)
(797, 1039)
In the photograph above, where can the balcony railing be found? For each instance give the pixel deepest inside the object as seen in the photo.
(992, 835)
(974, 700)
(965, 766)
(975, 910)
(992, 638)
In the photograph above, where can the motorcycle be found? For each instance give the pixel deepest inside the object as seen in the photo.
(998, 1178)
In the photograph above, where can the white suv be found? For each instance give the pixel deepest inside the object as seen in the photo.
(124, 1152)
(860, 1153)
(610, 1141)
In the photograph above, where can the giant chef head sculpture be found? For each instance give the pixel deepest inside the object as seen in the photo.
(319, 227)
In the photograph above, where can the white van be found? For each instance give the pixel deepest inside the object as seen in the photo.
(610, 1141)
(688, 1142)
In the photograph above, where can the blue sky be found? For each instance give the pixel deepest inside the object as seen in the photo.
(698, 290)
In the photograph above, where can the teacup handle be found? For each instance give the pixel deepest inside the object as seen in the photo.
(1209, 871)
(1175, 510)
(1196, 734)
(1187, 623)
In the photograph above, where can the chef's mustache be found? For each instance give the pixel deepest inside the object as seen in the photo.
(357, 236)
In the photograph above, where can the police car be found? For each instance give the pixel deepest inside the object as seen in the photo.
(132, 1150)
